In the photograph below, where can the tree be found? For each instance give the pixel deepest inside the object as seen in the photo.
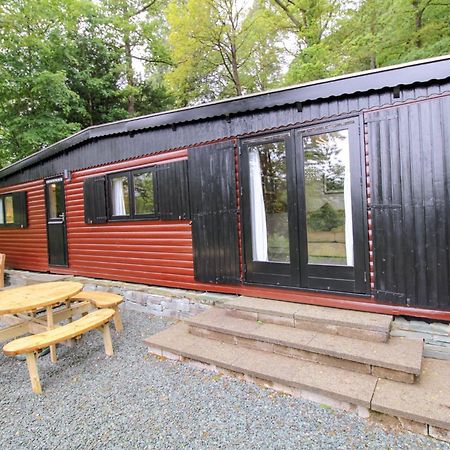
(64, 65)
(384, 32)
(137, 30)
(309, 22)
(219, 48)
(34, 97)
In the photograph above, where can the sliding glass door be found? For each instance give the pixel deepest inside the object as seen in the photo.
(303, 211)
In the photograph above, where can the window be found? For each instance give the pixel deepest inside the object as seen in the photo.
(120, 196)
(13, 209)
(132, 194)
(9, 209)
(144, 197)
(55, 200)
(157, 192)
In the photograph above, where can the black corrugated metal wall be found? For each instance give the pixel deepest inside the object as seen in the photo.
(409, 148)
(123, 146)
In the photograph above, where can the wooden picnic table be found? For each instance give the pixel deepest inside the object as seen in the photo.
(37, 296)
(20, 305)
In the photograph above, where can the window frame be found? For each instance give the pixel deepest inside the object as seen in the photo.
(129, 174)
(13, 224)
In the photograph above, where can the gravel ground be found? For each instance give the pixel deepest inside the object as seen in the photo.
(135, 401)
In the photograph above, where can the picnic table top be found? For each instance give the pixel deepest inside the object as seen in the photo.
(35, 296)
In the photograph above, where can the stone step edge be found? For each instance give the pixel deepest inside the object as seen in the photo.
(180, 342)
(415, 426)
(398, 369)
(346, 364)
(299, 316)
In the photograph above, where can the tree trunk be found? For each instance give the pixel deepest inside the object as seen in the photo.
(418, 14)
(129, 74)
(234, 66)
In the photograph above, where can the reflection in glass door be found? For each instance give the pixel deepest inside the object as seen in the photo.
(328, 198)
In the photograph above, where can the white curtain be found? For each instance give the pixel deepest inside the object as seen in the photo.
(257, 208)
(118, 199)
(348, 215)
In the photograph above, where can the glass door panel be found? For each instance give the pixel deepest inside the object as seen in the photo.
(328, 198)
(269, 210)
(269, 202)
(333, 228)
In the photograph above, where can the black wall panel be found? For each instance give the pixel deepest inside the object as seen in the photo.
(409, 148)
(212, 190)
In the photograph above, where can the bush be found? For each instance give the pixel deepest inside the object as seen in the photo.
(325, 218)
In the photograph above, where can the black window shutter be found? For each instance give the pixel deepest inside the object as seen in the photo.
(20, 208)
(212, 191)
(95, 200)
(173, 190)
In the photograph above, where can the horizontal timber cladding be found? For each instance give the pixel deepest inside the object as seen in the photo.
(26, 248)
(212, 188)
(120, 147)
(410, 193)
(155, 252)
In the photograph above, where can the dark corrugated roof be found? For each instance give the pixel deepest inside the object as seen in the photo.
(422, 71)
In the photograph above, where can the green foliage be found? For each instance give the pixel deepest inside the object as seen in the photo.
(326, 218)
(69, 64)
(220, 48)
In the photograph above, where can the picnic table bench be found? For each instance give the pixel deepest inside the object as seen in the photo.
(23, 308)
(30, 344)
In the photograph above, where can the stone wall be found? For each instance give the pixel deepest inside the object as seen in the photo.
(166, 302)
(436, 335)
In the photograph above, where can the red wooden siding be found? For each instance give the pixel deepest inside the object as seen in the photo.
(26, 248)
(152, 252)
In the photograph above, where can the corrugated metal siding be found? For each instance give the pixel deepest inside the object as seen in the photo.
(410, 189)
(26, 248)
(125, 146)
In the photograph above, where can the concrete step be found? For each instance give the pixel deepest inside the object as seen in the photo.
(337, 384)
(342, 322)
(398, 360)
(423, 407)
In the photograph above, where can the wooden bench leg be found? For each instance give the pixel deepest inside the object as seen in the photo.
(70, 342)
(33, 371)
(117, 319)
(107, 339)
(50, 326)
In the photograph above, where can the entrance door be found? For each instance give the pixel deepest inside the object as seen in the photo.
(56, 222)
(303, 209)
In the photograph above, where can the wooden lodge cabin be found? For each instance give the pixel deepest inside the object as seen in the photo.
(335, 192)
